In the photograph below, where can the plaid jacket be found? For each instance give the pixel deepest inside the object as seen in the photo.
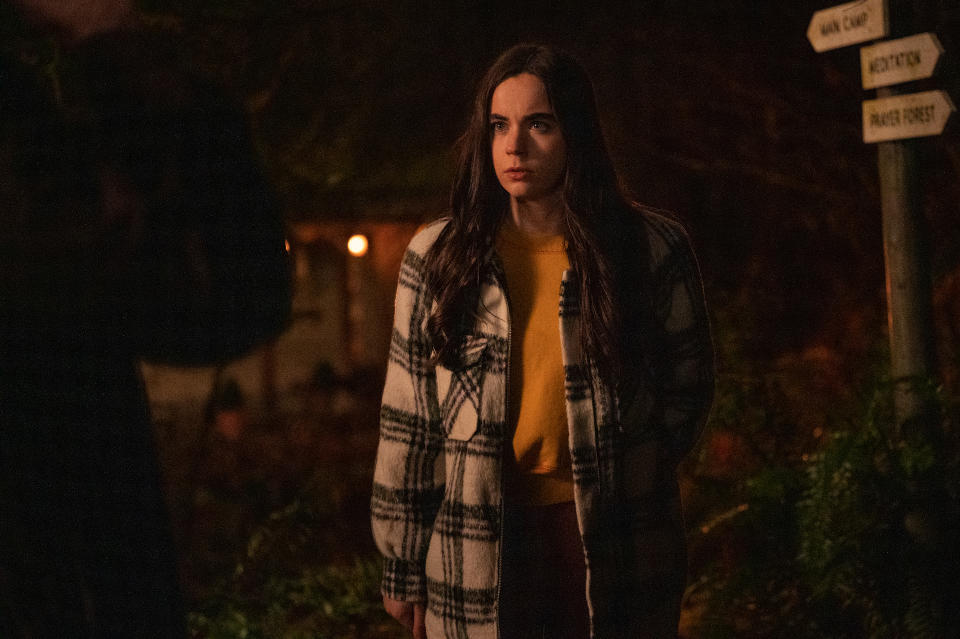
(437, 495)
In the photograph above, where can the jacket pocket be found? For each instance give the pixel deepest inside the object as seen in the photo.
(460, 390)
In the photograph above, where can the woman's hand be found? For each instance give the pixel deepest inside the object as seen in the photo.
(409, 614)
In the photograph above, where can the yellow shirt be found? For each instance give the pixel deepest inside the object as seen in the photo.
(538, 472)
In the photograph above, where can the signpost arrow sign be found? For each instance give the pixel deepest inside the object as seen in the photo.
(902, 60)
(848, 23)
(912, 115)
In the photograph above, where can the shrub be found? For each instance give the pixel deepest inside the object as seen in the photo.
(300, 577)
(855, 540)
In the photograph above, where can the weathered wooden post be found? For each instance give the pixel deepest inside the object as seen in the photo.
(890, 121)
(906, 263)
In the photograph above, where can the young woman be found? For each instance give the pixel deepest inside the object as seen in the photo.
(551, 363)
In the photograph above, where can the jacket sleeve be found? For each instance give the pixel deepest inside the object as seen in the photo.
(684, 368)
(408, 481)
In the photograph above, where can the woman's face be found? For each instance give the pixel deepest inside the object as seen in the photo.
(528, 149)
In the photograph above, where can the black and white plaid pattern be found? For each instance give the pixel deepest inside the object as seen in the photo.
(437, 495)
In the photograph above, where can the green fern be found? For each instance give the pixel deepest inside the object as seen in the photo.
(856, 541)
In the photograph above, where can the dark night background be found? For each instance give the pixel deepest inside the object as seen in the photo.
(723, 114)
(720, 112)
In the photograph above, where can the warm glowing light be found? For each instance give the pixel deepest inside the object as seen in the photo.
(286, 245)
(357, 245)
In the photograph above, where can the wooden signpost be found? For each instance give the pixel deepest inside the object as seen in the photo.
(890, 120)
(911, 58)
(847, 24)
(912, 115)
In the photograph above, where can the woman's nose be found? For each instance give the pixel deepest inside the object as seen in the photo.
(516, 144)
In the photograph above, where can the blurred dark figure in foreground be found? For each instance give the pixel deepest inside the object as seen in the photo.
(134, 223)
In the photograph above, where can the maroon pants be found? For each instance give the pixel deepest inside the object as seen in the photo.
(544, 576)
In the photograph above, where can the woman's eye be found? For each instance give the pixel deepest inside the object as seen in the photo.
(539, 125)
(498, 126)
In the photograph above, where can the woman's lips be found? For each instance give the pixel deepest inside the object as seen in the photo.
(518, 174)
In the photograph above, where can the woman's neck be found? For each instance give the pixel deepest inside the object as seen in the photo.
(540, 217)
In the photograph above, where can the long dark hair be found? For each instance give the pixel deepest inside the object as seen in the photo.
(593, 205)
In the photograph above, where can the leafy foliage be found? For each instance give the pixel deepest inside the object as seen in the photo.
(293, 584)
(324, 601)
(877, 518)
(856, 540)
